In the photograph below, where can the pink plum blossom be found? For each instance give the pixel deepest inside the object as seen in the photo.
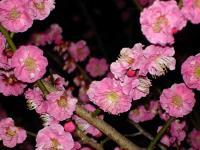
(79, 51)
(54, 137)
(141, 114)
(190, 71)
(194, 139)
(178, 100)
(107, 94)
(191, 10)
(10, 134)
(69, 126)
(36, 100)
(29, 63)
(97, 67)
(9, 85)
(14, 16)
(5, 59)
(159, 59)
(160, 21)
(40, 9)
(60, 105)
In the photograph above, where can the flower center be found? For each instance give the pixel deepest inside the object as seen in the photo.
(135, 112)
(197, 72)
(62, 102)
(177, 101)
(112, 96)
(14, 14)
(40, 6)
(160, 21)
(10, 132)
(54, 144)
(197, 3)
(10, 80)
(30, 64)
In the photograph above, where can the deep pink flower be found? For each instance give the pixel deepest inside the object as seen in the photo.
(108, 95)
(54, 137)
(40, 9)
(178, 100)
(97, 67)
(190, 71)
(159, 59)
(194, 138)
(191, 10)
(29, 63)
(14, 16)
(9, 85)
(10, 134)
(161, 20)
(60, 105)
(69, 126)
(79, 51)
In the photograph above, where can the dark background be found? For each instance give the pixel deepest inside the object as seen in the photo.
(107, 26)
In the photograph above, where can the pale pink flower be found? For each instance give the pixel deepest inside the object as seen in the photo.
(40, 9)
(159, 59)
(194, 139)
(10, 134)
(79, 51)
(190, 71)
(39, 39)
(85, 126)
(69, 65)
(191, 10)
(108, 95)
(2, 42)
(77, 146)
(14, 16)
(135, 87)
(36, 100)
(48, 120)
(54, 34)
(82, 94)
(79, 80)
(60, 105)
(178, 100)
(141, 114)
(54, 137)
(9, 85)
(161, 20)
(97, 67)
(29, 63)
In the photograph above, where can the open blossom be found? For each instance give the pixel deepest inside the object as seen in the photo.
(161, 20)
(14, 16)
(29, 63)
(190, 71)
(79, 51)
(191, 10)
(194, 138)
(135, 87)
(60, 105)
(36, 100)
(10, 134)
(54, 137)
(129, 59)
(178, 100)
(40, 9)
(141, 114)
(9, 85)
(97, 67)
(159, 59)
(108, 95)
(85, 126)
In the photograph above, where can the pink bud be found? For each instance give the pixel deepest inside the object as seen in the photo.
(69, 126)
(131, 73)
